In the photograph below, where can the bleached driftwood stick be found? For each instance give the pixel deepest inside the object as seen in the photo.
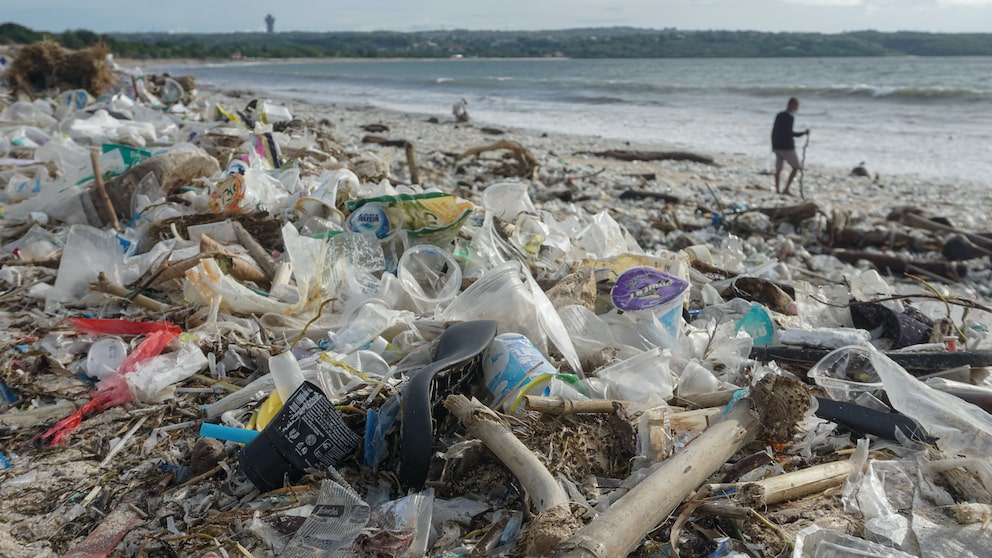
(255, 250)
(796, 484)
(622, 527)
(484, 424)
(559, 406)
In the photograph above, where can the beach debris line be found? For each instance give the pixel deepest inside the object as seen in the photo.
(230, 329)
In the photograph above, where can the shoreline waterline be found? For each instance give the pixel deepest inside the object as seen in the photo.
(897, 125)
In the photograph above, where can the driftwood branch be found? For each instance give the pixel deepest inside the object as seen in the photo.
(105, 285)
(796, 484)
(792, 214)
(101, 190)
(558, 406)
(411, 162)
(622, 527)
(553, 521)
(255, 250)
(895, 265)
(484, 424)
(529, 165)
(646, 195)
(914, 220)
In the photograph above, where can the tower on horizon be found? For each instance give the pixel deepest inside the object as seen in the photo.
(270, 23)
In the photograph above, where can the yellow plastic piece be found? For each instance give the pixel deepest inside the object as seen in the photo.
(268, 410)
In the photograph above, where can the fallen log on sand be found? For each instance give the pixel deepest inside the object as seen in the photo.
(894, 265)
(636, 155)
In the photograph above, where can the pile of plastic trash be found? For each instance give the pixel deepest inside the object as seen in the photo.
(247, 345)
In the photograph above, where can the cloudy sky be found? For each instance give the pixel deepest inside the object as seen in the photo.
(203, 16)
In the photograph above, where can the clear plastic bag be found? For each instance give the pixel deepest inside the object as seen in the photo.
(645, 377)
(508, 294)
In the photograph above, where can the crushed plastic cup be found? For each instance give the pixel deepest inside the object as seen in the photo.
(506, 200)
(513, 363)
(846, 372)
(758, 325)
(430, 276)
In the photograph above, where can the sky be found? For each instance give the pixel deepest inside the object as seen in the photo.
(218, 16)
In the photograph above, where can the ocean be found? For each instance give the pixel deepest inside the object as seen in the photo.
(930, 117)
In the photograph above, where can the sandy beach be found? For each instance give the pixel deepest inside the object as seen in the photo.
(721, 206)
(733, 183)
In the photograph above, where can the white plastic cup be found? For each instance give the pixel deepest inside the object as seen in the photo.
(105, 357)
(430, 276)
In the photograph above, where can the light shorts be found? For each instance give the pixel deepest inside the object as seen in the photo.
(783, 155)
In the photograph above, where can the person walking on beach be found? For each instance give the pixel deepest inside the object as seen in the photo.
(784, 144)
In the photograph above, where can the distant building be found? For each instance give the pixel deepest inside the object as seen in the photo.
(270, 23)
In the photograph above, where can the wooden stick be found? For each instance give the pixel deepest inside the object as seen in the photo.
(104, 284)
(917, 221)
(695, 421)
(484, 424)
(101, 189)
(411, 161)
(208, 244)
(241, 269)
(704, 400)
(558, 406)
(619, 530)
(796, 484)
(39, 415)
(177, 270)
(255, 250)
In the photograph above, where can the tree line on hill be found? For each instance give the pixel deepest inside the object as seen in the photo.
(614, 42)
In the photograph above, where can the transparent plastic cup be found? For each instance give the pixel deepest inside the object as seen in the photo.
(430, 276)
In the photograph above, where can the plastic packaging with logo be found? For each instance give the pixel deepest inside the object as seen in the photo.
(307, 433)
(512, 363)
(653, 300)
(431, 217)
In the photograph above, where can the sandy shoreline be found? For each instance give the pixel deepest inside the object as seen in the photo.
(134, 478)
(744, 180)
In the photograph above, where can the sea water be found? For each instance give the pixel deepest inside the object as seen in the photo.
(899, 115)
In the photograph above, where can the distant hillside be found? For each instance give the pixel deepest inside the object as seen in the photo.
(614, 42)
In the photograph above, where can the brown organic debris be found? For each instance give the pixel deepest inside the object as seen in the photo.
(47, 65)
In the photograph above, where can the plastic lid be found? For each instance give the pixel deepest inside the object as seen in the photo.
(641, 288)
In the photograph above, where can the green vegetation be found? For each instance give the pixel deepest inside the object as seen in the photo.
(614, 42)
